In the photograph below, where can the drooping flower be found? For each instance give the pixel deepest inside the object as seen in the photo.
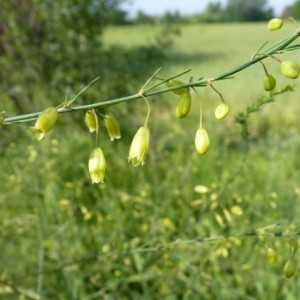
(275, 24)
(44, 123)
(221, 111)
(202, 141)
(113, 127)
(290, 69)
(139, 147)
(91, 120)
(269, 82)
(97, 165)
(184, 105)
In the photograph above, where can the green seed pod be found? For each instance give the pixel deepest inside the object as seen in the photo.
(221, 111)
(290, 268)
(202, 141)
(290, 69)
(184, 105)
(275, 24)
(269, 82)
(174, 82)
(272, 256)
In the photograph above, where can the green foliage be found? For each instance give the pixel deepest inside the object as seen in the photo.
(143, 18)
(124, 240)
(58, 45)
(292, 10)
(242, 118)
(236, 11)
(181, 227)
(254, 10)
(171, 17)
(214, 12)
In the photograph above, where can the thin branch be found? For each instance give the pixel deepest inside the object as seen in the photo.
(274, 49)
(271, 231)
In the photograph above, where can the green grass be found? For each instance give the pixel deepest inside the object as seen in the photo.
(136, 236)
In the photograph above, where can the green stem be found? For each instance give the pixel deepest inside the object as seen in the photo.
(264, 67)
(165, 80)
(148, 110)
(270, 51)
(220, 95)
(275, 48)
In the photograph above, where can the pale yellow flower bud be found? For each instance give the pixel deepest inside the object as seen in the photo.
(275, 24)
(139, 147)
(97, 165)
(113, 127)
(91, 120)
(221, 111)
(290, 69)
(202, 141)
(44, 123)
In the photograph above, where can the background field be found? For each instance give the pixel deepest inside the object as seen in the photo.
(139, 236)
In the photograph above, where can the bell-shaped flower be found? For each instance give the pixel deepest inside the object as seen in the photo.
(139, 147)
(91, 120)
(113, 126)
(44, 123)
(97, 165)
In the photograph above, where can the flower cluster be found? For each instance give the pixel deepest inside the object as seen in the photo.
(288, 68)
(97, 163)
(202, 140)
(139, 147)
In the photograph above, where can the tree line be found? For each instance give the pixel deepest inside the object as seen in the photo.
(232, 11)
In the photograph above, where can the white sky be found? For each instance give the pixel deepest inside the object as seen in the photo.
(158, 7)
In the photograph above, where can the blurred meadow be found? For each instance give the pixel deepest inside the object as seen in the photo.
(183, 226)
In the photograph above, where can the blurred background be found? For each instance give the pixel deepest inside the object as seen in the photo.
(62, 237)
